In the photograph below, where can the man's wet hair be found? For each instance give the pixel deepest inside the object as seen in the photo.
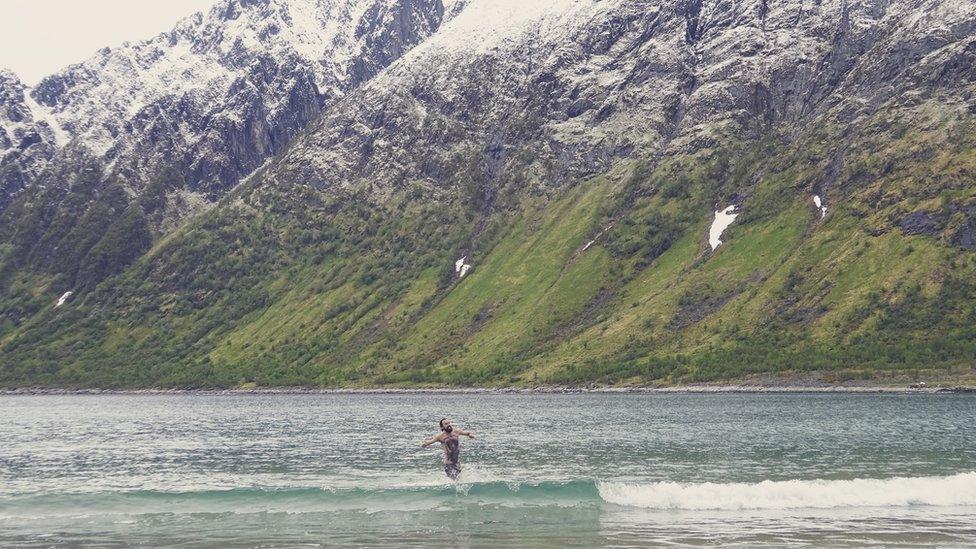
(441, 422)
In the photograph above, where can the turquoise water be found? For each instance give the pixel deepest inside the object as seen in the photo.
(549, 470)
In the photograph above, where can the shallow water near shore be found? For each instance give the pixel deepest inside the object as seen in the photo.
(575, 469)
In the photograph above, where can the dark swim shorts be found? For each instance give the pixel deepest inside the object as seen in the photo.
(453, 470)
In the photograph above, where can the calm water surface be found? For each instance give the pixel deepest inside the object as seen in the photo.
(549, 470)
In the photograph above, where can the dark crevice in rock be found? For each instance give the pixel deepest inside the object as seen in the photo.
(693, 24)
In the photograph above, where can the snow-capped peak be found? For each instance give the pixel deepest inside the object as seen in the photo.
(485, 25)
(224, 89)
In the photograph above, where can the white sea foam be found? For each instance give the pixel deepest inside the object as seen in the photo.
(955, 490)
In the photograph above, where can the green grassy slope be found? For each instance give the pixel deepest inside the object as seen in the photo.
(609, 281)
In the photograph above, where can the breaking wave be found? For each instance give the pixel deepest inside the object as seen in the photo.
(958, 490)
(955, 490)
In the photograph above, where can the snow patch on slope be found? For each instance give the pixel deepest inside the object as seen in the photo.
(597, 237)
(819, 203)
(64, 297)
(483, 26)
(461, 267)
(41, 114)
(723, 218)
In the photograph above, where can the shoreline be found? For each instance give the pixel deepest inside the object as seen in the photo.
(545, 390)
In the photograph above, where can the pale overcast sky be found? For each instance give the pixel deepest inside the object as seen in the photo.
(38, 37)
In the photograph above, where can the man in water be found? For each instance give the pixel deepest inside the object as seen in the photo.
(449, 438)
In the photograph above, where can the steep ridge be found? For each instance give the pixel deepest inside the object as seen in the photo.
(28, 137)
(573, 155)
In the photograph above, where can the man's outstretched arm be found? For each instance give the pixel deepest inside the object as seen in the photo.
(468, 434)
(430, 441)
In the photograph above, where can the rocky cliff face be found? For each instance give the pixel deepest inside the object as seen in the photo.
(555, 90)
(210, 100)
(28, 137)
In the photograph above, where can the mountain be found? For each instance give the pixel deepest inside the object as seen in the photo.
(503, 191)
(177, 120)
